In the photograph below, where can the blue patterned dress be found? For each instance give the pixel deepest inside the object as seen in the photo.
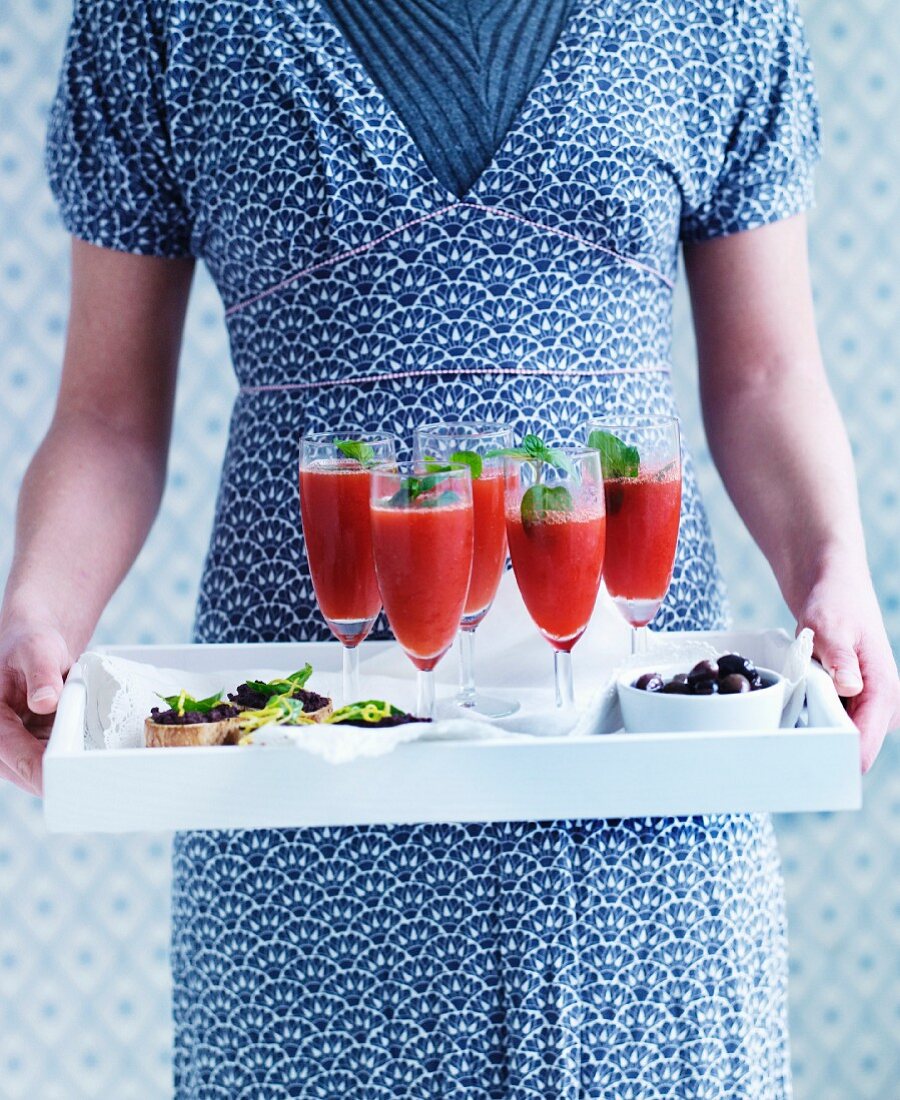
(623, 960)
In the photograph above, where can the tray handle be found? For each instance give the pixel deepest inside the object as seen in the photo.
(67, 734)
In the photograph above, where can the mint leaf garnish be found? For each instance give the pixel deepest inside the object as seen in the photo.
(471, 459)
(184, 703)
(541, 499)
(617, 458)
(562, 461)
(535, 450)
(411, 488)
(434, 465)
(459, 458)
(402, 498)
(363, 453)
(282, 686)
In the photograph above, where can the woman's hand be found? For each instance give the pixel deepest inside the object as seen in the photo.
(34, 660)
(775, 432)
(852, 644)
(100, 468)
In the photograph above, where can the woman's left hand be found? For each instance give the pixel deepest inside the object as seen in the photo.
(775, 432)
(852, 644)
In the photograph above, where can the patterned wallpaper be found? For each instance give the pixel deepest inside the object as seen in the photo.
(84, 995)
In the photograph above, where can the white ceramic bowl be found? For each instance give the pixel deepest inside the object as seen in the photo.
(653, 712)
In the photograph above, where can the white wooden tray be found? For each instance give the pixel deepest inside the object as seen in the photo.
(812, 768)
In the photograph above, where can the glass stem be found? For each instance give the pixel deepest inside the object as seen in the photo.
(350, 678)
(640, 640)
(562, 669)
(466, 696)
(425, 693)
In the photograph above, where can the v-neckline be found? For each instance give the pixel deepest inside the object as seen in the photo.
(523, 116)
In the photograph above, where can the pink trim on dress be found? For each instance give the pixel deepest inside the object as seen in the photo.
(499, 212)
(496, 211)
(361, 379)
(345, 255)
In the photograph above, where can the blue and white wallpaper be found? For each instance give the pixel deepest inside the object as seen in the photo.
(84, 993)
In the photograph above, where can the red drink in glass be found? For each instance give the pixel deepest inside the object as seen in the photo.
(334, 504)
(641, 460)
(556, 524)
(558, 563)
(489, 556)
(335, 488)
(478, 444)
(422, 537)
(424, 562)
(643, 516)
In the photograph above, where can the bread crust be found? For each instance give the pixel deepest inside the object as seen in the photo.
(226, 732)
(322, 714)
(159, 736)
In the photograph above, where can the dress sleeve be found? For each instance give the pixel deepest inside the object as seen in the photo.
(109, 156)
(772, 141)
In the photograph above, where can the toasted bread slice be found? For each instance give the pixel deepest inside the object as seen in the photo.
(158, 735)
(322, 714)
(246, 698)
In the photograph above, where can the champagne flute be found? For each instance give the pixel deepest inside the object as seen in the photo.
(641, 460)
(422, 539)
(335, 478)
(556, 523)
(473, 444)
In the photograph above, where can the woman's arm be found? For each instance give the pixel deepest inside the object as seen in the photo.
(779, 443)
(94, 486)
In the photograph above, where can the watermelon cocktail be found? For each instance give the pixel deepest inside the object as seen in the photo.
(422, 541)
(335, 487)
(556, 524)
(641, 460)
(474, 444)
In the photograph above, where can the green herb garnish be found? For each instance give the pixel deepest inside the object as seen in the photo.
(617, 458)
(472, 459)
(411, 488)
(283, 685)
(363, 453)
(280, 709)
(535, 450)
(372, 710)
(184, 703)
(540, 499)
(416, 490)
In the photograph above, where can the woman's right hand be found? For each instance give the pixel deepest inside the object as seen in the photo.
(101, 467)
(34, 660)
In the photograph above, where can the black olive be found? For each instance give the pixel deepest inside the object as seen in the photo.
(705, 687)
(756, 681)
(650, 681)
(734, 664)
(676, 687)
(680, 678)
(733, 684)
(702, 673)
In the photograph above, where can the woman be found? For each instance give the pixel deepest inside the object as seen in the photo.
(413, 211)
